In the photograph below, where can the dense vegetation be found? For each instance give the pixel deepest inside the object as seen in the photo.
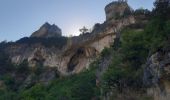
(76, 87)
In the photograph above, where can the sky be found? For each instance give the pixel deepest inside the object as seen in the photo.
(20, 18)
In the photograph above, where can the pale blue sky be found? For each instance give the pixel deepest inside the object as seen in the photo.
(19, 18)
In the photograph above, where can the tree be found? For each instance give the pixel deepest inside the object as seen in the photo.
(23, 68)
(83, 30)
(142, 11)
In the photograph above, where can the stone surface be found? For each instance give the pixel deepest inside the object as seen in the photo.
(156, 75)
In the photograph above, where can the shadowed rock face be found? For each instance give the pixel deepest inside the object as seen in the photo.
(157, 75)
(47, 31)
(75, 59)
(80, 55)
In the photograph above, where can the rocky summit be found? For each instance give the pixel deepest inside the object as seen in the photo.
(47, 31)
(117, 9)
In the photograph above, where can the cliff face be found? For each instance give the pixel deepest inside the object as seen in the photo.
(79, 51)
(156, 75)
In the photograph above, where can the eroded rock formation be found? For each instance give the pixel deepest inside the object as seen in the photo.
(79, 51)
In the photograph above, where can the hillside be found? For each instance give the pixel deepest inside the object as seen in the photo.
(124, 58)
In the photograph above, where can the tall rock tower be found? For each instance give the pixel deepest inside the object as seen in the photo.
(117, 9)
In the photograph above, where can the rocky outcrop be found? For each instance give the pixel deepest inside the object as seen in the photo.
(47, 31)
(156, 75)
(117, 9)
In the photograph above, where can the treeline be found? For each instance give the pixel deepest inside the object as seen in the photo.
(48, 42)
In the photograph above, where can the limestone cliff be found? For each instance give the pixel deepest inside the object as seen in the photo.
(79, 51)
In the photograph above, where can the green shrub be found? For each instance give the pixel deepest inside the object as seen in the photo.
(37, 92)
(9, 81)
(23, 68)
(6, 94)
(133, 48)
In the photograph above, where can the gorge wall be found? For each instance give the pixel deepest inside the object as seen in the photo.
(79, 51)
